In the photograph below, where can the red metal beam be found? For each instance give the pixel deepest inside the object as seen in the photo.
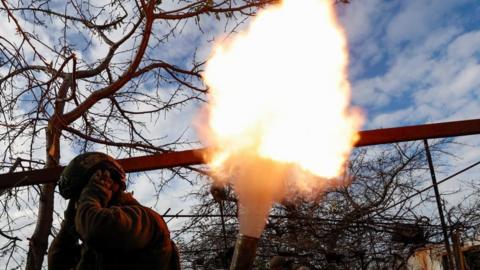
(194, 157)
(135, 164)
(419, 132)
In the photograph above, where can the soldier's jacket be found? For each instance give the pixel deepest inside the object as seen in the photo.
(125, 235)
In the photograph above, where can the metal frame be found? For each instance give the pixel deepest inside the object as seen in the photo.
(196, 156)
(439, 206)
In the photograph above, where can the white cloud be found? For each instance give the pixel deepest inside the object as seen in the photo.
(430, 78)
(416, 19)
(464, 46)
(360, 18)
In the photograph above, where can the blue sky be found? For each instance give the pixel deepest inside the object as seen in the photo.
(414, 62)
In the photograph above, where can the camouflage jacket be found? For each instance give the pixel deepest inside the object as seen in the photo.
(124, 235)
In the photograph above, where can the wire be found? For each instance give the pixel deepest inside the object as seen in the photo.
(429, 187)
(325, 221)
(334, 220)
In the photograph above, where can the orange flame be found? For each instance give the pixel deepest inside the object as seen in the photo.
(279, 92)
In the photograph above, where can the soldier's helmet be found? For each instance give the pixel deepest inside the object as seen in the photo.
(78, 172)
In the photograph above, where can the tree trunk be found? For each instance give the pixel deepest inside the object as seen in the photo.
(39, 241)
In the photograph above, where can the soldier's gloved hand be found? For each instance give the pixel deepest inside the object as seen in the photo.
(103, 179)
(99, 188)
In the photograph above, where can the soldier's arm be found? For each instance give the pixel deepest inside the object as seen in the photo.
(124, 227)
(64, 252)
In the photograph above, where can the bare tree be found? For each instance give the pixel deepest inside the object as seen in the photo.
(375, 222)
(87, 73)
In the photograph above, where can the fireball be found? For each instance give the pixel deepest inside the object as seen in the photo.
(279, 98)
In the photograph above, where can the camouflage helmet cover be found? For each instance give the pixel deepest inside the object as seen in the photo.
(77, 173)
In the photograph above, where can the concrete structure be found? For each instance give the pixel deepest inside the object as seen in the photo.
(431, 257)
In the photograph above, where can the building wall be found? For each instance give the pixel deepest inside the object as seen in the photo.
(428, 258)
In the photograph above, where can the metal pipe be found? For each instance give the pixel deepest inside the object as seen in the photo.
(439, 206)
(419, 132)
(134, 164)
(245, 252)
(196, 156)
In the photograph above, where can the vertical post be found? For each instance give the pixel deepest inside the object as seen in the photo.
(362, 262)
(458, 250)
(224, 231)
(439, 206)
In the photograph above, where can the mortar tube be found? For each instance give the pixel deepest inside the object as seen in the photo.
(245, 252)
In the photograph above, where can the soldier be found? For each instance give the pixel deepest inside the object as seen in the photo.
(115, 230)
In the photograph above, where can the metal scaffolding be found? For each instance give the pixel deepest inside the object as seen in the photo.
(196, 156)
